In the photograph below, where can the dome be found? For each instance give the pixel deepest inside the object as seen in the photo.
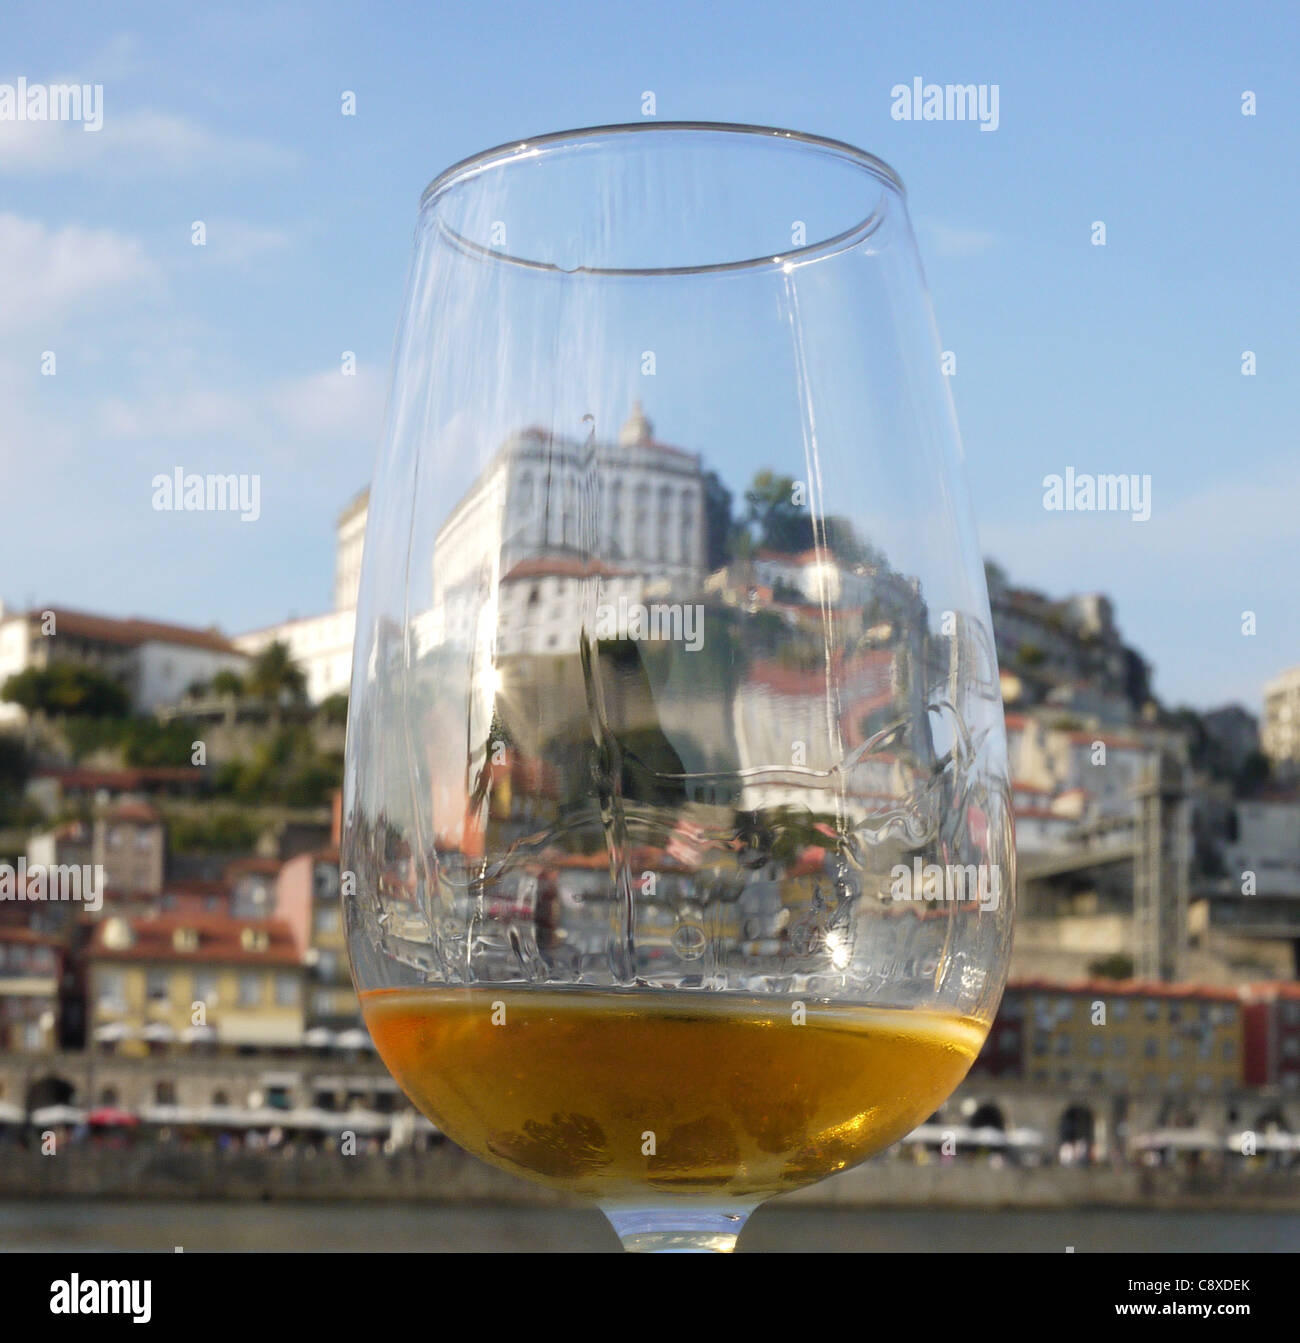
(637, 429)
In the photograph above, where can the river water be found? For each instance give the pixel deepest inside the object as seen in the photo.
(112, 1225)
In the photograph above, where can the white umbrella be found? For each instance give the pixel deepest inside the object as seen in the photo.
(353, 1039)
(113, 1031)
(1263, 1142)
(10, 1114)
(159, 1033)
(169, 1114)
(58, 1114)
(303, 1117)
(937, 1133)
(194, 1035)
(230, 1116)
(319, 1038)
(1025, 1137)
(359, 1121)
(1186, 1139)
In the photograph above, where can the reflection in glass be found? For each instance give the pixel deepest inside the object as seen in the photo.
(676, 802)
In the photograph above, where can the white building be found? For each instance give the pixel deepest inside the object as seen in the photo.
(1280, 734)
(545, 602)
(641, 532)
(155, 662)
(1265, 842)
(816, 576)
(322, 645)
(636, 504)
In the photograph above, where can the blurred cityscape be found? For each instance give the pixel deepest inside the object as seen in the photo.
(200, 1004)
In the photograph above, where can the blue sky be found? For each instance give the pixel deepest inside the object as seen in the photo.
(1123, 358)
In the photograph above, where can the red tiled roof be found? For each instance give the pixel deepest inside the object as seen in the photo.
(126, 780)
(132, 631)
(564, 566)
(194, 886)
(220, 939)
(139, 812)
(1129, 988)
(873, 665)
(26, 937)
(239, 866)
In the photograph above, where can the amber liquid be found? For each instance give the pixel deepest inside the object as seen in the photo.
(644, 1097)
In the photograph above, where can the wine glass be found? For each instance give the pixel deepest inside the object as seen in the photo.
(678, 852)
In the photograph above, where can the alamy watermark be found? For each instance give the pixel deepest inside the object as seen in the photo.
(1082, 492)
(919, 101)
(61, 881)
(192, 493)
(973, 883)
(53, 102)
(676, 622)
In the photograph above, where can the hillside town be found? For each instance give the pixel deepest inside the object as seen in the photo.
(203, 992)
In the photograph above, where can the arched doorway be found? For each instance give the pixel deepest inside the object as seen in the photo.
(49, 1090)
(1077, 1133)
(988, 1115)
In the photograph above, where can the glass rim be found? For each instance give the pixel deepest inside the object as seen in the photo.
(512, 150)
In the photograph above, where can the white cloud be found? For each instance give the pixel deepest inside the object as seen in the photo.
(47, 273)
(291, 413)
(187, 414)
(333, 405)
(140, 143)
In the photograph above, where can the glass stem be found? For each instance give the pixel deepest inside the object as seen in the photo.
(678, 1230)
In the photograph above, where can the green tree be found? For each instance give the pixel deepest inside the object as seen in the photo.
(333, 709)
(1116, 966)
(274, 676)
(227, 683)
(66, 690)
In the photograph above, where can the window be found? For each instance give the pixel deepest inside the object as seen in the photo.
(157, 986)
(1152, 1010)
(1151, 1049)
(1119, 1009)
(327, 919)
(250, 989)
(112, 989)
(205, 988)
(286, 990)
